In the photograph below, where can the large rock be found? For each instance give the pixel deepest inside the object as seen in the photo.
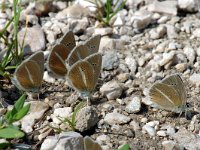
(86, 118)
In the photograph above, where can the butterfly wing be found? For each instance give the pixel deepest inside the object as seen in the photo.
(56, 60)
(96, 61)
(78, 53)
(90, 144)
(176, 82)
(27, 77)
(58, 55)
(81, 77)
(165, 96)
(93, 44)
(38, 57)
(69, 40)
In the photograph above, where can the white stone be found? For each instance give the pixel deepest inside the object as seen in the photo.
(134, 105)
(119, 21)
(116, 118)
(65, 140)
(48, 78)
(161, 133)
(150, 130)
(37, 110)
(64, 112)
(167, 57)
(153, 123)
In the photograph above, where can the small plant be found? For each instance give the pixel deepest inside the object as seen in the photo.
(71, 122)
(106, 11)
(124, 147)
(7, 129)
(13, 53)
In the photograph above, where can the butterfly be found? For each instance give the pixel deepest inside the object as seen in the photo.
(90, 144)
(81, 51)
(59, 53)
(83, 75)
(169, 94)
(29, 74)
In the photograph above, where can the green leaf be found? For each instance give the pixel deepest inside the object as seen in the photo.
(10, 133)
(20, 114)
(17, 107)
(124, 147)
(20, 102)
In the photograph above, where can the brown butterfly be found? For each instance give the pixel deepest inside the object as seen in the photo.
(60, 52)
(29, 74)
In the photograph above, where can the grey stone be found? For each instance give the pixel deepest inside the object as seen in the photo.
(116, 118)
(132, 64)
(141, 19)
(171, 32)
(196, 33)
(158, 32)
(134, 105)
(112, 90)
(189, 5)
(169, 145)
(166, 7)
(135, 125)
(187, 139)
(106, 44)
(86, 118)
(63, 141)
(34, 39)
(37, 110)
(110, 61)
(195, 79)
(190, 53)
(75, 11)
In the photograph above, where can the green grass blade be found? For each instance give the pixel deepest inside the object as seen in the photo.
(20, 102)
(76, 110)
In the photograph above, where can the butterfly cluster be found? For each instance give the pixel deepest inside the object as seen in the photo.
(79, 64)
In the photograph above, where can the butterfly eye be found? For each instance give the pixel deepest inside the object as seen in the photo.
(68, 44)
(92, 47)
